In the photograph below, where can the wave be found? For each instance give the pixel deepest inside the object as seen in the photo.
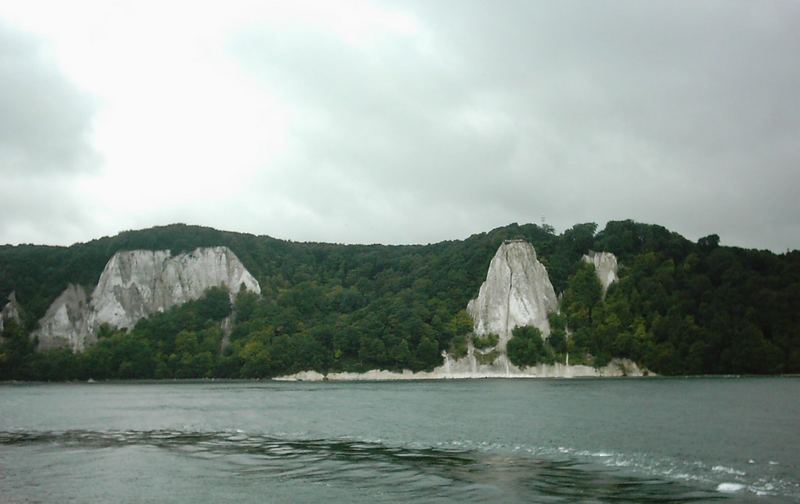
(761, 480)
(399, 472)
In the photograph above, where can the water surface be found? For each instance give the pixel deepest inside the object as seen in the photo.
(583, 440)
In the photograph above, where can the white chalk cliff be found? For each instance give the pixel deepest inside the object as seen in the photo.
(517, 292)
(136, 284)
(65, 322)
(605, 266)
(10, 311)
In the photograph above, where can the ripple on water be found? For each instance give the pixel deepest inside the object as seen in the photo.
(396, 472)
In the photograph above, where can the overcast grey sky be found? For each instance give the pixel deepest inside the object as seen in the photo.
(399, 122)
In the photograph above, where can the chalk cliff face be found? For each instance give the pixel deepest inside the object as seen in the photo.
(65, 322)
(136, 284)
(605, 265)
(517, 292)
(10, 311)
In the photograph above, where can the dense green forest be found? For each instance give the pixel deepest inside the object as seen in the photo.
(680, 307)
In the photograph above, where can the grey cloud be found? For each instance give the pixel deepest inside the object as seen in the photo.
(388, 147)
(681, 113)
(42, 209)
(44, 119)
(44, 122)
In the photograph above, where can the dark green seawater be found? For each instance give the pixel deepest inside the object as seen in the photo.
(625, 440)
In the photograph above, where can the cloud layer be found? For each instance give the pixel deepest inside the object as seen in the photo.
(403, 122)
(44, 131)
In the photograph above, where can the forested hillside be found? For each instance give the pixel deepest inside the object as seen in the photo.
(679, 307)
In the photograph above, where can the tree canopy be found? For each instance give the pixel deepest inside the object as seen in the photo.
(679, 307)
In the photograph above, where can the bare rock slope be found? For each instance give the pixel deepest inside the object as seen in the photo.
(517, 292)
(136, 284)
(10, 311)
(605, 266)
(65, 324)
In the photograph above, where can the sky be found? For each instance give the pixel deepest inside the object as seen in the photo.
(399, 122)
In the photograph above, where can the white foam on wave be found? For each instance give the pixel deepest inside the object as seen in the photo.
(727, 470)
(730, 487)
(669, 468)
(765, 488)
(587, 453)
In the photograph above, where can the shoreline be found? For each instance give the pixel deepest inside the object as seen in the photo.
(293, 378)
(469, 369)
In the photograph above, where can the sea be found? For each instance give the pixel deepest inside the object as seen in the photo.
(733, 439)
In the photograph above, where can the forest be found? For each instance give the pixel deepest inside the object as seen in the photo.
(680, 307)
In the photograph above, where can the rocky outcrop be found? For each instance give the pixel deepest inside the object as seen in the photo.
(517, 292)
(615, 368)
(65, 324)
(605, 266)
(10, 311)
(490, 362)
(136, 284)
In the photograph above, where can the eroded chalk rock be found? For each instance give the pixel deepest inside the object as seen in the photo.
(517, 292)
(10, 311)
(65, 324)
(136, 284)
(605, 266)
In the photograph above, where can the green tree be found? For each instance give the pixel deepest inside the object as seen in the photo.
(428, 353)
(526, 347)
